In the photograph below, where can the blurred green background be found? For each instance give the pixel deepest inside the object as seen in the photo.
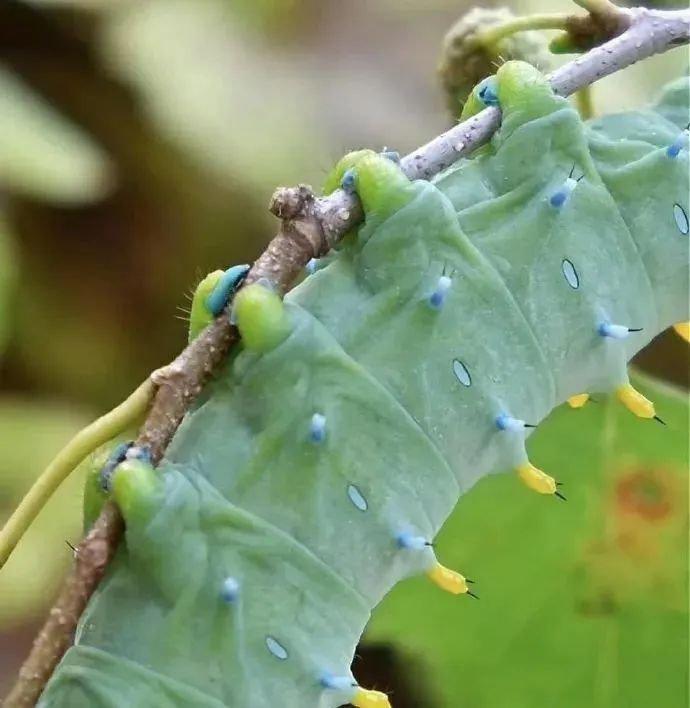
(140, 141)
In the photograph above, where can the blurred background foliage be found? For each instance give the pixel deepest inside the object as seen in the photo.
(140, 141)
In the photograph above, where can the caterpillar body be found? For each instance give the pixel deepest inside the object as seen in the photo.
(318, 467)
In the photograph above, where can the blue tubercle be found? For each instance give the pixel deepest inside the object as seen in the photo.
(217, 301)
(674, 149)
(487, 91)
(615, 331)
(412, 542)
(138, 452)
(438, 297)
(347, 183)
(562, 194)
(509, 424)
(117, 456)
(317, 428)
(392, 155)
(337, 683)
(230, 590)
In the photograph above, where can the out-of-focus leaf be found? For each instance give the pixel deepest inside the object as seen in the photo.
(583, 603)
(31, 433)
(42, 154)
(216, 90)
(7, 281)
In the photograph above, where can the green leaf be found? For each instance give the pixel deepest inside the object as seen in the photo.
(43, 154)
(582, 603)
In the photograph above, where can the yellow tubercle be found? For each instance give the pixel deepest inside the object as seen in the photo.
(536, 480)
(683, 329)
(635, 402)
(448, 579)
(579, 400)
(364, 698)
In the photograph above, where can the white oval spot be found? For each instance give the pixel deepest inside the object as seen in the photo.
(571, 276)
(276, 648)
(681, 218)
(461, 373)
(357, 498)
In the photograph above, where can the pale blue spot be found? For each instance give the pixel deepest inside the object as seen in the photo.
(673, 150)
(509, 424)
(348, 181)
(230, 590)
(571, 276)
(461, 373)
(615, 331)
(561, 195)
(118, 455)
(487, 91)
(338, 683)
(558, 198)
(411, 542)
(438, 297)
(276, 648)
(392, 155)
(317, 428)
(357, 498)
(681, 219)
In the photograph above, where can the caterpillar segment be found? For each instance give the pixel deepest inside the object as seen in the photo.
(385, 386)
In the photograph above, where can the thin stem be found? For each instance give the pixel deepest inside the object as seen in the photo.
(543, 21)
(585, 102)
(598, 7)
(77, 449)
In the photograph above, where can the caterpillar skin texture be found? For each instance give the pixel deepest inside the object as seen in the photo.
(311, 476)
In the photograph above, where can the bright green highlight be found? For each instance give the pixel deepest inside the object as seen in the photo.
(200, 316)
(380, 184)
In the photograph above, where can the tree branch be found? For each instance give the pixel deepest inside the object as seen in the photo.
(310, 228)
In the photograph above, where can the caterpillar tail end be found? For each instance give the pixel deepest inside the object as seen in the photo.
(537, 480)
(448, 580)
(579, 400)
(635, 402)
(365, 698)
(683, 329)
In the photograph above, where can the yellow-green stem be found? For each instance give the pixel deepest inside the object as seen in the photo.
(77, 449)
(585, 103)
(555, 21)
(598, 7)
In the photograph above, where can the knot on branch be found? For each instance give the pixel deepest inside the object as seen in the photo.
(289, 203)
(584, 32)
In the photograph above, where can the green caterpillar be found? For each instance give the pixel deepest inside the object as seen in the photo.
(318, 467)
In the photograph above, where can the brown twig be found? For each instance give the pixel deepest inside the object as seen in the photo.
(310, 227)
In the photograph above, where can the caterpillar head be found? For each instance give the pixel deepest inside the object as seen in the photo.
(469, 55)
(516, 86)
